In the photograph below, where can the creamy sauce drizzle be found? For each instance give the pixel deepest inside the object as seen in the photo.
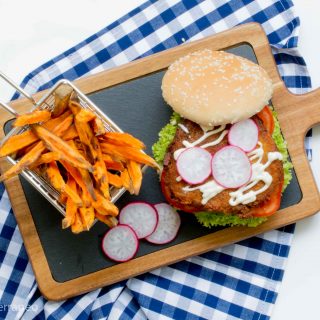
(183, 128)
(206, 133)
(259, 173)
(210, 189)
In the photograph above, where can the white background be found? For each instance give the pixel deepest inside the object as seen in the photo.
(33, 31)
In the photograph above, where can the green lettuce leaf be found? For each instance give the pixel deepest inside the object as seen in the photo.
(166, 135)
(282, 147)
(211, 219)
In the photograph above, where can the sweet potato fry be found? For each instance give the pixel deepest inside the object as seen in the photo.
(71, 133)
(52, 123)
(26, 161)
(86, 198)
(98, 127)
(74, 104)
(60, 128)
(73, 195)
(109, 221)
(101, 177)
(86, 137)
(74, 97)
(18, 142)
(67, 153)
(112, 164)
(82, 178)
(114, 180)
(73, 144)
(71, 208)
(32, 117)
(63, 197)
(123, 139)
(58, 183)
(46, 158)
(135, 174)
(100, 170)
(61, 99)
(104, 206)
(25, 150)
(87, 216)
(126, 181)
(85, 115)
(77, 226)
(128, 153)
(76, 144)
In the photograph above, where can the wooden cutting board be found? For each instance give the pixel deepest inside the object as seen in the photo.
(296, 115)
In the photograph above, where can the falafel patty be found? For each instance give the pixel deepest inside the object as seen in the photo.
(191, 201)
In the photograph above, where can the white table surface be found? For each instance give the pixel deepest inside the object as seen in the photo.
(31, 34)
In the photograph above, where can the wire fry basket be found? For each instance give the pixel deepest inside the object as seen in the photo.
(47, 102)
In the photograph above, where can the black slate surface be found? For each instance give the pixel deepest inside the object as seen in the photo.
(137, 107)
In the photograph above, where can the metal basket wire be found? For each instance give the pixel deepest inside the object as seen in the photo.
(47, 102)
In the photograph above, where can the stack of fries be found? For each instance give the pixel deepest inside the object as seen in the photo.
(71, 148)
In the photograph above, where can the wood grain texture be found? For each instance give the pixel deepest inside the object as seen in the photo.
(296, 115)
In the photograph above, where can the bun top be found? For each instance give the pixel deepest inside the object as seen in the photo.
(215, 87)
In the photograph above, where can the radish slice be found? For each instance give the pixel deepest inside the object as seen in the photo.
(120, 243)
(231, 167)
(193, 165)
(244, 134)
(142, 217)
(168, 224)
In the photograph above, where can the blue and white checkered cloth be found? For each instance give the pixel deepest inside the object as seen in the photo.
(238, 281)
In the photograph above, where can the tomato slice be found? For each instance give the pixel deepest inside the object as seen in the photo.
(267, 118)
(271, 206)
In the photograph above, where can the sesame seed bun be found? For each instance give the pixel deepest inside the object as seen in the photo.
(215, 87)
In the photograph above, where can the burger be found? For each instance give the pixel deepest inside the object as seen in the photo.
(222, 154)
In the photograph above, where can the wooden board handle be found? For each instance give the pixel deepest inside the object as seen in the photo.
(301, 111)
(310, 108)
(297, 114)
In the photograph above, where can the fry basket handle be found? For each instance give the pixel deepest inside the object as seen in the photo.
(19, 89)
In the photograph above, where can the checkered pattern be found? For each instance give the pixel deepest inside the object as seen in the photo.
(238, 281)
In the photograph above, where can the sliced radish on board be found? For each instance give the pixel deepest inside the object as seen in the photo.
(142, 217)
(193, 165)
(244, 134)
(120, 243)
(231, 167)
(168, 224)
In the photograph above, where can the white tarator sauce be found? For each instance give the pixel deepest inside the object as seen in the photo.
(210, 189)
(206, 133)
(183, 128)
(259, 173)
